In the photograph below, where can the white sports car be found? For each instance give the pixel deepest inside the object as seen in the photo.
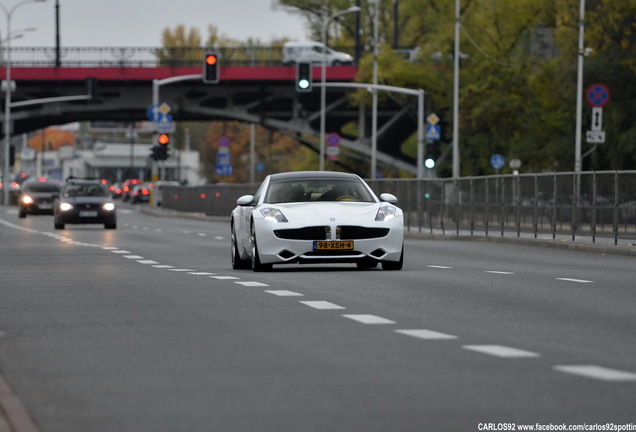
(316, 217)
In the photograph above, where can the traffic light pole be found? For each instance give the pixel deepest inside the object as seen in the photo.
(420, 114)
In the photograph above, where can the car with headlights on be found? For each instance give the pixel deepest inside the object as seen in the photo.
(316, 217)
(85, 201)
(37, 196)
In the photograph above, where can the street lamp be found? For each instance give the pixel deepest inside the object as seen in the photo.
(323, 73)
(7, 99)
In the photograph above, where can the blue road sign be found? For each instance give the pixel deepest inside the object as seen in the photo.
(497, 161)
(597, 95)
(433, 132)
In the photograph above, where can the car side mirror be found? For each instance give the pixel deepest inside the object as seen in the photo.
(245, 200)
(387, 197)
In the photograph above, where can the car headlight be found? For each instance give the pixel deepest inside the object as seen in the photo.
(66, 206)
(109, 206)
(273, 215)
(26, 199)
(386, 212)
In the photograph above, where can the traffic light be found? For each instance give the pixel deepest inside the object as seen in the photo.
(432, 154)
(211, 68)
(303, 77)
(163, 147)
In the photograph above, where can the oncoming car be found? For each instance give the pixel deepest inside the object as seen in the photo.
(37, 197)
(316, 217)
(84, 201)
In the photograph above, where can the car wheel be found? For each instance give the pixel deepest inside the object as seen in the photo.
(59, 225)
(257, 266)
(22, 214)
(237, 262)
(394, 265)
(110, 226)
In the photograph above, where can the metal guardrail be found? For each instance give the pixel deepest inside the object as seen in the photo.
(95, 57)
(584, 204)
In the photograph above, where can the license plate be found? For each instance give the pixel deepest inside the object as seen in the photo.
(88, 214)
(45, 206)
(333, 245)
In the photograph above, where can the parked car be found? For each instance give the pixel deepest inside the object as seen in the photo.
(85, 201)
(316, 217)
(37, 196)
(314, 52)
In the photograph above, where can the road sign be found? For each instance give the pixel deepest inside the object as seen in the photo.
(595, 137)
(333, 139)
(597, 95)
(433, 132)
(497, 161)
(164, 122)
(597, 118)
(432, 119)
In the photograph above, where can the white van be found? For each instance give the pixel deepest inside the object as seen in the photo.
(294, 52)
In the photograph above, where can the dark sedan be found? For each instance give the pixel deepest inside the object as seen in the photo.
(37, 197)
(85, 202)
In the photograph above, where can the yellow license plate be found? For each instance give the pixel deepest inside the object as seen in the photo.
(333, 245)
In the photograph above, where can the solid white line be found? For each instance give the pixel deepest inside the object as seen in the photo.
(575, 280)
(369, 319)
(500, 351)
(223, 277)
(283, 293)
(321, 305)
(597, 372)
(439, 267)
(499, 272)
(251, 284)
(147, 262)
(425, 334)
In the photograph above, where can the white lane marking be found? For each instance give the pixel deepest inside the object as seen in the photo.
(219, 238)
(224, 277)
(110, 248)
(284, 293)
(369, 319)
(133, 256)
(439, 267)
(165, 266)
(321, 305)
(251, 284)
(500, 351)
(120, 251)
(499, 272)
(597, 372)
(201, 273)
(575, 280)
(201, 234)
(426, 334)
(180, 270)
(147, 262)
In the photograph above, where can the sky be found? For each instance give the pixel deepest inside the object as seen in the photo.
(139, 23)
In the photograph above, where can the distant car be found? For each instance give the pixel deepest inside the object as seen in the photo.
(37, 197)
(116, 190)
(141, 193)
(85, 201)
(316, 217)
(127, 187)
(314, 52)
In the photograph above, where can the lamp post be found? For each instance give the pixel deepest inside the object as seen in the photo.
(7, 99)
(323, 72)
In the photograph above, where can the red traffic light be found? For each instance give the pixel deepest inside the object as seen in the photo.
(210, 59)
(163, 139)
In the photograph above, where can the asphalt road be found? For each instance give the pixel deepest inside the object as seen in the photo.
(148, 328)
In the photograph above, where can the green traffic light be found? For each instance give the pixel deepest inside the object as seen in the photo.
(303, 84)
(429, 163)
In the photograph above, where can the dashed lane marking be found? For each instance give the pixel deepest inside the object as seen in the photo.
(596, 372)
(202, 273)
(135, 257)
(575, 280)
(284, 293)
(180, 270)
(439, 267)
(501, 351)
(164, 266)
(325, 305)
(499, 272)
(426, 334)
(224, 277)
(369, 319)
(147, 262)
(251, 283)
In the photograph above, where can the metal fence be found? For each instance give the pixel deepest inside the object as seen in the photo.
(88, 57)
(589, 204)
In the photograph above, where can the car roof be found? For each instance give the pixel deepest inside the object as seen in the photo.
(313, 174)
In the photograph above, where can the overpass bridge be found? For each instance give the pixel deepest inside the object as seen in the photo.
(254, 87)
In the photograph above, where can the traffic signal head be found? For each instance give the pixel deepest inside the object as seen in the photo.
(164, 139)
(303, 77)
(211, 68)
(162, 147)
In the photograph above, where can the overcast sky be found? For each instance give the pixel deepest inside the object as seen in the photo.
(139, 23)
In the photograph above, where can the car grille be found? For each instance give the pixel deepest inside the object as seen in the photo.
(307, 233)
(346, 232)
(359, 233)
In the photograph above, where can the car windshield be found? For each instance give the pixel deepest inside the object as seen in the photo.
(42, 187)
(323, 189)
(86, 190)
